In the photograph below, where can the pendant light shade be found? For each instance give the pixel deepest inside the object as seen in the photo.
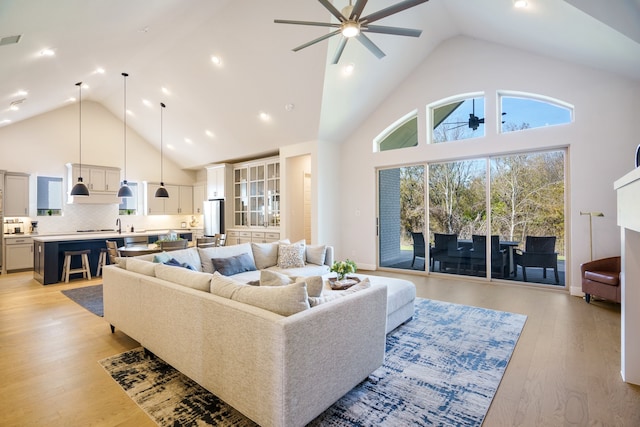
(161, 191)
(80, 189)
(125, 190)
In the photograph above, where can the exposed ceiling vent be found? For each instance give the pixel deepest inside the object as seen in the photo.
(9, 40)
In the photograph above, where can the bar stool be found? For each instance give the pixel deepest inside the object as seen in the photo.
(102, 261)
(66, 266)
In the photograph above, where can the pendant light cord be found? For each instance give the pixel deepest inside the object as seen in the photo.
(125, 75)
(79, 84)
(161, 145)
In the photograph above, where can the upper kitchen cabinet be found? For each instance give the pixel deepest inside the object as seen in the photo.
(179, 202)
(219, 177)
(99, 179)
(199, 192)
(257, 193)
(16, 194)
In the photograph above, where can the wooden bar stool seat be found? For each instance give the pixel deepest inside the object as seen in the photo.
(102, 261)
(66, 266)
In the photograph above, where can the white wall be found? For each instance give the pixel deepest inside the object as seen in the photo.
(601, 142)
(42, 145)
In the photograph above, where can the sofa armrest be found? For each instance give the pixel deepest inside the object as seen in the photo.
(604, 264)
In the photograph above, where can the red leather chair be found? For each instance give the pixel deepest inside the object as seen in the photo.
(601, 277)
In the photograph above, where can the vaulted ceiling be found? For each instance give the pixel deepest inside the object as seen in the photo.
(213, 110)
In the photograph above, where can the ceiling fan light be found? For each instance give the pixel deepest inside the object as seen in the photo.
(350, 29)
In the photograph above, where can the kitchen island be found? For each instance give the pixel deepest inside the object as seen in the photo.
(48, 250)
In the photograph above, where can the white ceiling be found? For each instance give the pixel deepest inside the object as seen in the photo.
(169, 43)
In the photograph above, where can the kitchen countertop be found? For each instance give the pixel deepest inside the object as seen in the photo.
(94, 235)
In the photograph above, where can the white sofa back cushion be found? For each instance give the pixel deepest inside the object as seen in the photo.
(315, 254)
(206, 254)
(266, 254)
(187, 256)
(140, 266)
(184, 276)
(284, 300)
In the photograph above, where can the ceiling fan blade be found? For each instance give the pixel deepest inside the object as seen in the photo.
(399, 7)
(357, 9)
(370, 45)
(313, 23)
(314, 41)
(339, 50)
(398, 31)
(331, 8)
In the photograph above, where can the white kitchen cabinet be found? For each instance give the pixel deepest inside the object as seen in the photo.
(218, 178)
(179, 202)
(19, 253)
(237, 237)
(99, 179)
(198, 198)
(16, 194)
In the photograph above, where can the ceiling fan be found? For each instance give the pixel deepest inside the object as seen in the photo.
(474, 121)
(352, 24)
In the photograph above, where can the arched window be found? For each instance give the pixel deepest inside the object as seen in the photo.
(522, 111)
(457, 118)
(401, 134)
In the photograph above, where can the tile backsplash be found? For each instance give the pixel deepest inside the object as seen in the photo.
(103, 217)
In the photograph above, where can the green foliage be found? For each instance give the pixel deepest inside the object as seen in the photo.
(342, 268)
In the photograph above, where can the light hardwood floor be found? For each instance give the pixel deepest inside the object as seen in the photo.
(565, 370)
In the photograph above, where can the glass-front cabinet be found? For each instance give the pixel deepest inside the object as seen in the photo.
(273, 194)
(257, 194)
(241, 195)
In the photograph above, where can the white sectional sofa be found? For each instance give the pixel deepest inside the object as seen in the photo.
(262, 349)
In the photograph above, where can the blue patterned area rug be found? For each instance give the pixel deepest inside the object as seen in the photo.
(442, 368)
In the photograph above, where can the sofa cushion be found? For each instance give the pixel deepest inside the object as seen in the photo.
(273, 278)
(333, 295)
(207, 254)
(315, 254)
(185, 277)
(315, 285)
(291, 256)
(140, 266)
(284, 300)
(266, 254)
(188, 256)
(307, 270)
(606, 277)
(234, 264)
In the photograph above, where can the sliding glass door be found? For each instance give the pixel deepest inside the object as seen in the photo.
(499, 217)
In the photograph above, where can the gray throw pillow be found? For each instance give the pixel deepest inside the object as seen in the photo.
(315, 254)
(233, 264)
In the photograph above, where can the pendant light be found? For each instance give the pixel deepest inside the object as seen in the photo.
(80, 189)
(161, 191)
(125, 190)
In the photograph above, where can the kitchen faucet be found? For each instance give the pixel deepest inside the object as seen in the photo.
(119, 224)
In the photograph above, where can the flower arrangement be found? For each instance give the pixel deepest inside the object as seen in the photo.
(342, 268)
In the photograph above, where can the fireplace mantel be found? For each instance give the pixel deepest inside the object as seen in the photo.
(628, 194)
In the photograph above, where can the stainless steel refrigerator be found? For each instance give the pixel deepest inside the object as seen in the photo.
(213, 217)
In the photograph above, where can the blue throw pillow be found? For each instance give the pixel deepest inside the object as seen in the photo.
(174, 262)
(233, 264)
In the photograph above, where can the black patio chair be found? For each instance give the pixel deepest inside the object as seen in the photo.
(445, 250)
(419, 249)
(538, 252)
(478, 256)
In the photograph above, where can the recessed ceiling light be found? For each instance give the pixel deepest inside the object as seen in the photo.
(264, 116)
(147, 103)
(47, 52)
(99, 70)
(209, 133)
(216, 60)
(71, 99)
(171, 147)
(14, 107)
(85, 86)
(520, 3)
(166, 91)
(347, 70)
(21, 93)
(5, 121)
(129, 113)
(188, 141)
(289, 107)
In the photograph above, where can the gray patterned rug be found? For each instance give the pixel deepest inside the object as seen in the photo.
(442, 368)
(89, 297)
